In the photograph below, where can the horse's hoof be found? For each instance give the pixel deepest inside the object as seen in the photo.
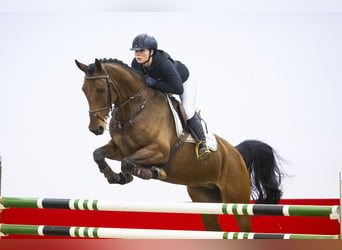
(113, 179)
(158, 173)
(124, 178)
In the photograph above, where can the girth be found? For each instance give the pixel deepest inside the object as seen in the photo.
(174, 149)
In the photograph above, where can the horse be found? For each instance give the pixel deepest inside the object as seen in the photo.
(144, 140)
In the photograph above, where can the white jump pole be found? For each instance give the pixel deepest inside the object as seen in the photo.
(172, 207)
(125, 233)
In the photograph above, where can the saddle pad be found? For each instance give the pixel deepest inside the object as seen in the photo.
(211, 139)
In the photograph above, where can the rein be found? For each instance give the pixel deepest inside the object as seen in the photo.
(120, 123)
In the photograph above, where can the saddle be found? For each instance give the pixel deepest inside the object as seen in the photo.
(177, 106)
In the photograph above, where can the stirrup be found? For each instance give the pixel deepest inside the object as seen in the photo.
(205, 155)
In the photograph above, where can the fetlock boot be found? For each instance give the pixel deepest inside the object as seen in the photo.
(196, 129)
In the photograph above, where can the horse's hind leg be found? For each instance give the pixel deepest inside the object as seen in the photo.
(244, 223)
(240, 194)
(207, 194)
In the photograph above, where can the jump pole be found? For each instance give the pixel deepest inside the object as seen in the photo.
(172, 207)
(124, 233)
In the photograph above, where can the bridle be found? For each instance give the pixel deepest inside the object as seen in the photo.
(110, 86)
(109, 106)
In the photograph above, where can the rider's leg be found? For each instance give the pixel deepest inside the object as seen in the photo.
(189, 102)
(196, 128)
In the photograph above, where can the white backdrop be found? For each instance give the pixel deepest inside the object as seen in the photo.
(271, 73)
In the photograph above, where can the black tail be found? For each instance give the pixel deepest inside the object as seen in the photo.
(264, 172)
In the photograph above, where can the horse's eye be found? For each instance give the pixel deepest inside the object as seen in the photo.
(100, 90)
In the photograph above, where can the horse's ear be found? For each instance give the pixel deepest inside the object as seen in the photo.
(81, 66)
(98, 65)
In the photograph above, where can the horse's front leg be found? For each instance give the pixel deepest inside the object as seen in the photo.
(111, 151)
(142, 162)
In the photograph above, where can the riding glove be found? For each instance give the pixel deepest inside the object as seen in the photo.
(150, 81)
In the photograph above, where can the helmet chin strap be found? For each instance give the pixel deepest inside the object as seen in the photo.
(148, 59)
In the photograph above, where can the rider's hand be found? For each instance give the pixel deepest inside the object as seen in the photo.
(150, 81)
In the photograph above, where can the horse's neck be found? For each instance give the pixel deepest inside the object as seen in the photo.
(127, 84)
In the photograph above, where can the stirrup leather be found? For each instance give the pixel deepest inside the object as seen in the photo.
(203, 155)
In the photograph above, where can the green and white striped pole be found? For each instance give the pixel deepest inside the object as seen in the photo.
(173, 207)
(123, 233)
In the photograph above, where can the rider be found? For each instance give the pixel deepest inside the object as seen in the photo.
(161, 72)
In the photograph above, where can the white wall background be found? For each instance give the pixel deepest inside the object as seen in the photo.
(269, 71)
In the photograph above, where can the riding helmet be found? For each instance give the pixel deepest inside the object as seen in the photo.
(144, 41)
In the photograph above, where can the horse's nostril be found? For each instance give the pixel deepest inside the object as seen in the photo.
(100, 130)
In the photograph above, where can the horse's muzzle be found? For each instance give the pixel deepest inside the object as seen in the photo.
(98, 131)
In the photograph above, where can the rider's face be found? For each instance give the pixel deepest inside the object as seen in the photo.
(142, 56)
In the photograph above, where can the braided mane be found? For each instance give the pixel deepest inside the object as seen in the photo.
(114, 60)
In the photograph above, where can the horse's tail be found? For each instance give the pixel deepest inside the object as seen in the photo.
(265, 175)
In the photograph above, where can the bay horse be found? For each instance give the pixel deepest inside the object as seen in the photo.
(144, 140)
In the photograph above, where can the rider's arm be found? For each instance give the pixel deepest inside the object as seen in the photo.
(170, 80)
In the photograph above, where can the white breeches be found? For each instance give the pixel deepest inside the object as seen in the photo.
(188, 97)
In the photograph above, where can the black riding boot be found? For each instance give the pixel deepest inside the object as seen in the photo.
(196, 129)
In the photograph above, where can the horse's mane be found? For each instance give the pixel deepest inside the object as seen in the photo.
(114, 60)
(91, 67)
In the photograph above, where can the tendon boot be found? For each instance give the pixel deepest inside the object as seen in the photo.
(197, 131)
